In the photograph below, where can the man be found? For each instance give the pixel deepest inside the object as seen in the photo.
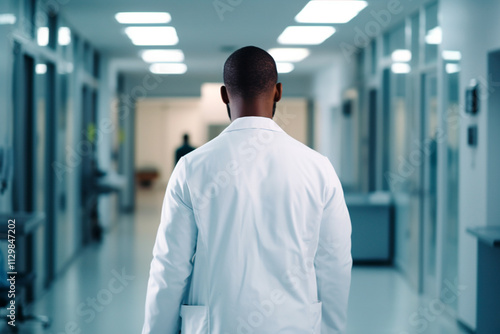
(254, 234)
(184, 149)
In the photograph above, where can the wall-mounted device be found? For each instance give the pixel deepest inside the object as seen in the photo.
(5, 168)
(472, 135)
(472, 98)
(347, 108)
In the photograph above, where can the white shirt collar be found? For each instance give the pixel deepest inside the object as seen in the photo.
(253, 122)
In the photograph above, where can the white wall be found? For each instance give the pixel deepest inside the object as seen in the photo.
(160, 124)
(328, 88)
(471, 27)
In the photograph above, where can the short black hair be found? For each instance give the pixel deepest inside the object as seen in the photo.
(249, 72)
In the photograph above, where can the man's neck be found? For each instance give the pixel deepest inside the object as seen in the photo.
(256, 107)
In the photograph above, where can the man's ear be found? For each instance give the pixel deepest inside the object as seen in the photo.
(278, 91)
(223, 95)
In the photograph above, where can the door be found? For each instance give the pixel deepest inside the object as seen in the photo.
(372, 140)
(45, 135)
(24, 138)
(24, 184)
(429, 181)
(449, 229)
(89, 164)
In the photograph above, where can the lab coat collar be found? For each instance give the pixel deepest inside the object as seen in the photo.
(253, 122)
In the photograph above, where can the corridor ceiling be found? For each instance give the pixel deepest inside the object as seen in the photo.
(207, 38)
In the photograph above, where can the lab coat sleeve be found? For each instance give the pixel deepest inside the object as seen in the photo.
(173, 251)
(333, 261)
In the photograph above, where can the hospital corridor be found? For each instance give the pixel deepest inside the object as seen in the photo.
(381, 300)
(249, 166)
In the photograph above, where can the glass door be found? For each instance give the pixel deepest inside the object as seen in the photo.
(449, 240)
(428, 146)
(45, 176)
(403, 180)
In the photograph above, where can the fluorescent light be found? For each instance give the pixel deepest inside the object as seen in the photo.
(43, 36)
(69, 67)
(452, 68)
(434, 36)
(318, 11)
(162, 56)
(401, 55)
(285, 67)
(168, 68)
(143, 17)
(152, 35)
(41, 69)
(400, 68)
(64, 36)
(312, 35)
(7, 19)
(289, 54)
(452, 55)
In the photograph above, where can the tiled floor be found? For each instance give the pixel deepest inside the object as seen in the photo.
(104, 289)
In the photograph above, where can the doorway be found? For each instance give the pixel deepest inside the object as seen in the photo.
(87, 151)
(429, 149)
(24, 126)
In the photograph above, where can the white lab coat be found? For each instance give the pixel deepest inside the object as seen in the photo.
(254, 238)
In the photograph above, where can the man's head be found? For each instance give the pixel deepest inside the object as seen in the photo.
(185, 138)
(251, 85)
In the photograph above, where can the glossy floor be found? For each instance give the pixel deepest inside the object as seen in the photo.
(103, 291)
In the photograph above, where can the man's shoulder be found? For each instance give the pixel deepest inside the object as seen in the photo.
(204, 150)
(306, 152)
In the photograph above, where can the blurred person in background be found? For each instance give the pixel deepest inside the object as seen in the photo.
(184, 149)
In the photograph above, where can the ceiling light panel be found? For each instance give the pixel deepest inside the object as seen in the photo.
(401, 55)
(168, 68)
(289, 54)
(285, 67)
(434, 36)
(152, 35)
(301, 35)
(162, 56)
(323, 11)
(143, 17)
(64, 36)
(400, 68)
(452, 68)
(452, 55)
(41, 68)
(42, 36)
(7, 19)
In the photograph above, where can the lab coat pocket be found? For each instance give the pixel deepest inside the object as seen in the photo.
(194, 319)
(315, 316)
